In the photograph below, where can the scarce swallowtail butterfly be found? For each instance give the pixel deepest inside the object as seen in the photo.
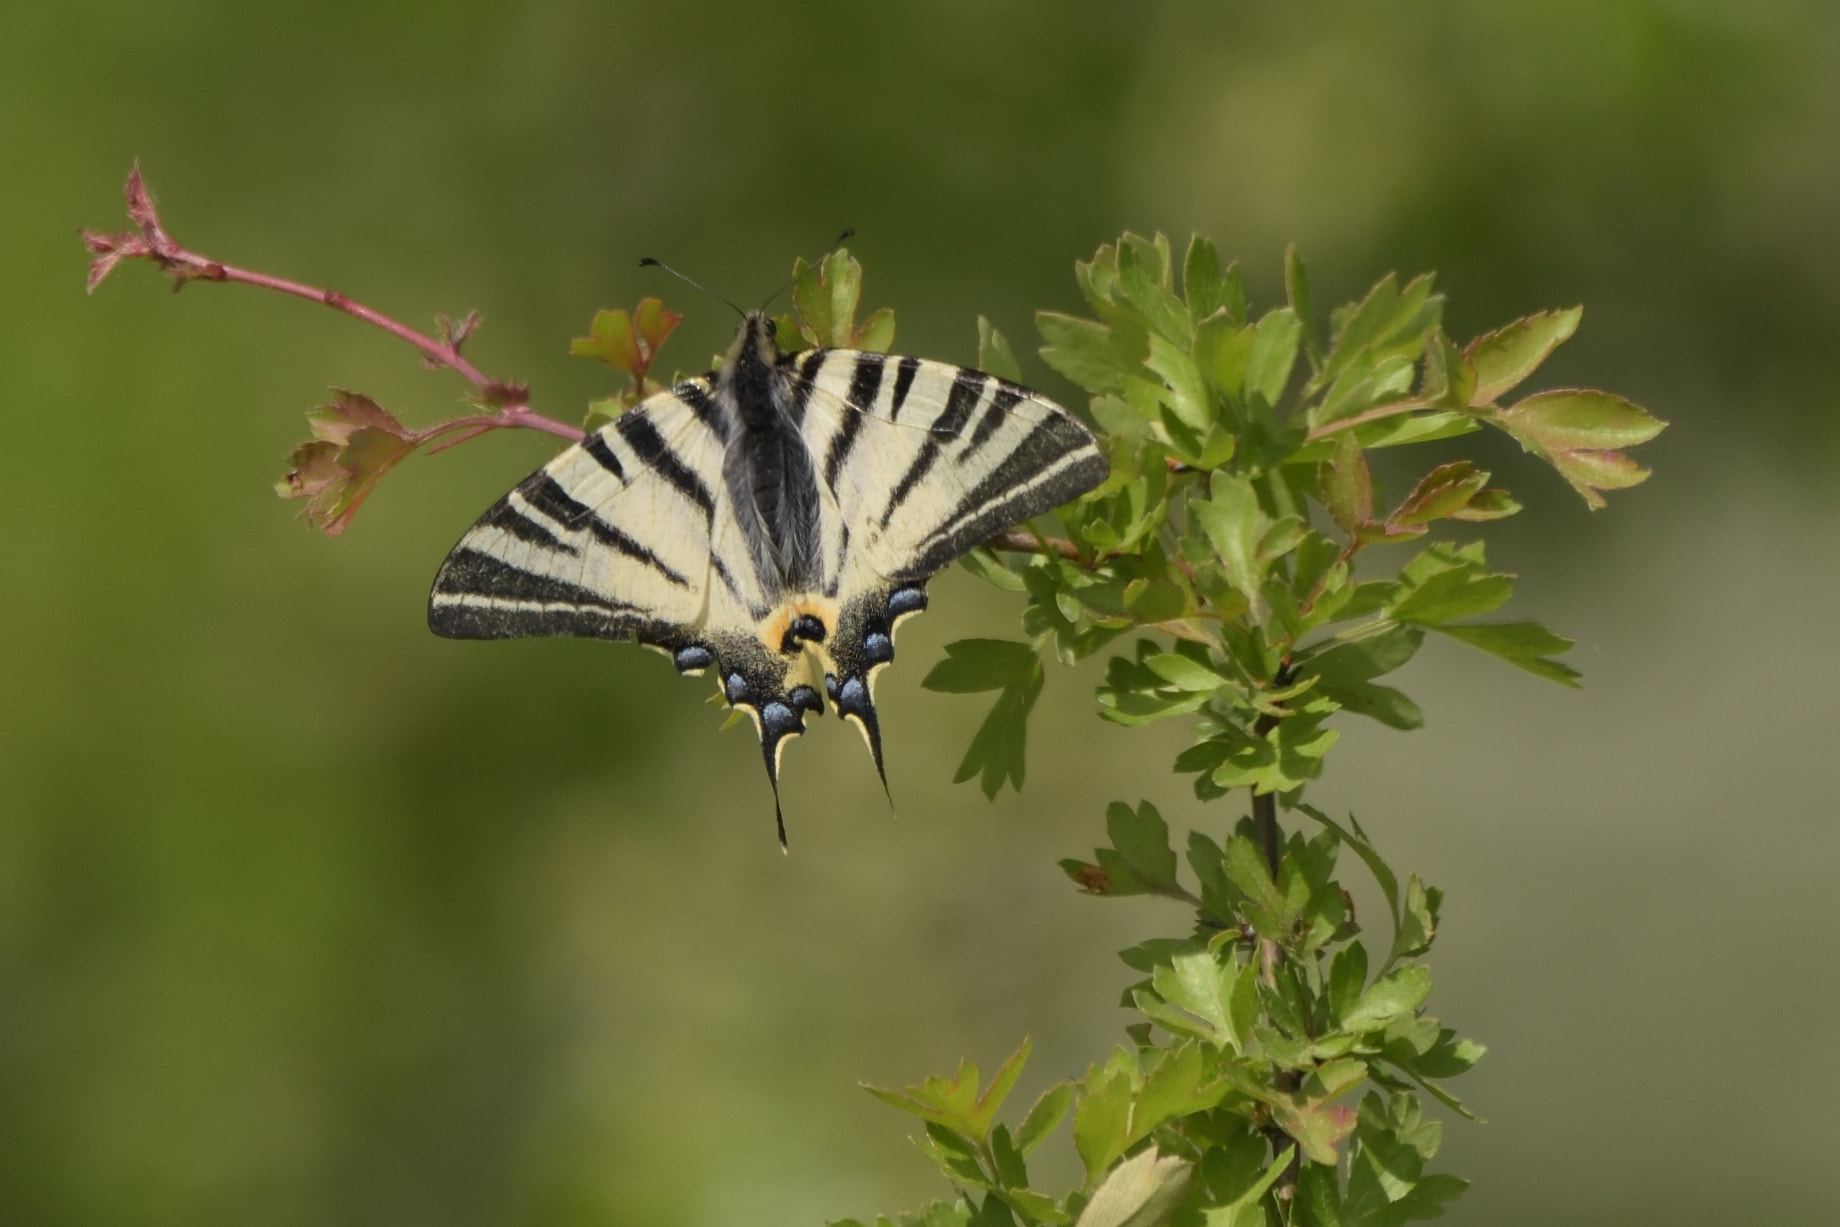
(771, 522)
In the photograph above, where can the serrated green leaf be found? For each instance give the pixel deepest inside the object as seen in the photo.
(1441, 493)
(1456, 593)
(1273, 354)
(1399, 992)
(1101, 1119)
(1143, 1191)
(1049, 1110)
(1347, 979)
(1507, 356)
(1315, 1126)
(999, 749)
(975, 665)
(1097, 357)
(1267, 910)
(1201, 985)
(1347, 485)
(1233, 522)
(1140, 839)
(1297, 291)
(1579, 419)
(1173, 1087)
(1526, 645)
(995, 357)
(1202, 284)
(1185, 673)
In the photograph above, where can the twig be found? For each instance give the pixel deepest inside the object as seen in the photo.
(508, 403)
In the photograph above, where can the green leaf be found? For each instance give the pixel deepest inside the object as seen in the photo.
(1347, 978)
(1270, 912)
(995, 357)
(934, 1214)
(1399, 992)
(1203, 286)
(1505, 357)
(1144, 280)
(1454, 592)
(876, 334)
(1049, 1110)
(627, 342)
(1273, 355)
(999, 749)
(956, 1103)
(1140, 860)
(1143, 1191)
(1094, 356)
(1579, 419)
(975, 665)
(1233, 522)
(1297, 289)
(356, 441)
(1526, 645)
(985, 564)
(1173, 1087)
(1316, 1126)
(1103, 1115)
(1348, 485)
(1184, 394)
(1246, 1209)
(1185, 673)
(1202, 985)
(1576, 430)
(1441, 493)
(826, 296)
(1450, 378)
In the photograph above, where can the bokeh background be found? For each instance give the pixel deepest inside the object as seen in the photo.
(308, 917)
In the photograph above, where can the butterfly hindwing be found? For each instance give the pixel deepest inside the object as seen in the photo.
(771, 522)
(918, 462)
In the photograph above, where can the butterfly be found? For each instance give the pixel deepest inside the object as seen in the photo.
(771, 522)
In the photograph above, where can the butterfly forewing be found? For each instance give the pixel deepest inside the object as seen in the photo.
(575, 549)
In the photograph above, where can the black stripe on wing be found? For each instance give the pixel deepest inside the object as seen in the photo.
(1055, 462)
(478, 596)
(546, 495)
(653, 452)
(967, 390)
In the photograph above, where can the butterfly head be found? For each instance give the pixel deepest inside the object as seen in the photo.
(748, 366)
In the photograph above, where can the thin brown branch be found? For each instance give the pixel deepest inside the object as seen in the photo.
(1017, 541)
(150, 241)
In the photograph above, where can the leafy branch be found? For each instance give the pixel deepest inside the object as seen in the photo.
(1226, 541)
(355, 440)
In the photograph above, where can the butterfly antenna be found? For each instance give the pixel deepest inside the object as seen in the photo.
(654, 262)
(848, 232)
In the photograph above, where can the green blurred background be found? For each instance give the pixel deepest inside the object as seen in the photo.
(308, 917)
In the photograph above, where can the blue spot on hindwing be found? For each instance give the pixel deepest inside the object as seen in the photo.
(906, 601)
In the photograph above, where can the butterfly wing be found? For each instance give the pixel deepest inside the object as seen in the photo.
(610, 540)
(917, 462)
(632, 534)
